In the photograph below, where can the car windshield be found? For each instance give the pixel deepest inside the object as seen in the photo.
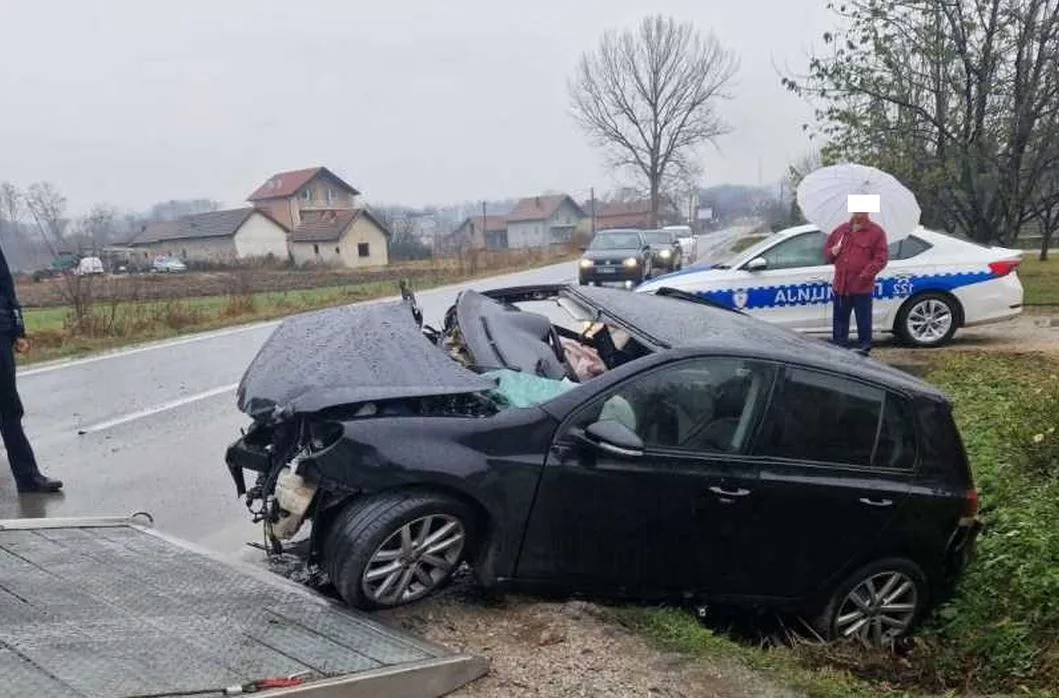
(615, 241)
(658, 237)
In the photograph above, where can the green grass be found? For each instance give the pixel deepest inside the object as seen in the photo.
(1040, 281)
(1000, 633)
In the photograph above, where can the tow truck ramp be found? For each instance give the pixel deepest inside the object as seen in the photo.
(110, 608)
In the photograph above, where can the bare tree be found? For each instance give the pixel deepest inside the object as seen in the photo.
(647, 97)
(48, 208)
(99, 225)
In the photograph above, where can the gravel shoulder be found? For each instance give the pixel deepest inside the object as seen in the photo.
(564, 649)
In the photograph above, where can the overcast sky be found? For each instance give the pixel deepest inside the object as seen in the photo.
(412, 101)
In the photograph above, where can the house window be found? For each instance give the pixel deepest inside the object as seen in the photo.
(338, 250)
(363, 250)
(316, 249)
(307, 195)
(330, 195)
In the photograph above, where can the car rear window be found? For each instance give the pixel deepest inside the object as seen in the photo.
(818, 417)
(908, 248)
(941, 451)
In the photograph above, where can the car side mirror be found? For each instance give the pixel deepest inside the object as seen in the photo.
(757, 264)
(615, 438)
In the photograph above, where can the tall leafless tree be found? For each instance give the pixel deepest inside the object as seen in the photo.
(648, 97)
(47, 206)
(99, 225)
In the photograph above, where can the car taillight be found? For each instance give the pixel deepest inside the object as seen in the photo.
(970, 504)
(1004, 268)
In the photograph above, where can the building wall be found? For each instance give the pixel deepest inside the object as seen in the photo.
(346, 250)
(260, 237)
(288, 210)
(317, 189)
(204, 250)
(364, 231)
(524, 234)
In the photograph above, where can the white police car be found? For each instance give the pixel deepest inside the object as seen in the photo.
(933, 284)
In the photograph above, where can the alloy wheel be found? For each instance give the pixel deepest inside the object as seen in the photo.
(929, 321)
(879, 609)
(414, 560)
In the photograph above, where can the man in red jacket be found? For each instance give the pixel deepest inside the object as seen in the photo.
(858, 250)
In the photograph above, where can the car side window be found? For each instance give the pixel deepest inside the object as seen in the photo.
(707, 405)
(806, 250)
(822, 418)
(907, 248)
(896, 448)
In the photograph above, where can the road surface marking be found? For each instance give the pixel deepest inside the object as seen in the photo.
(165, 406)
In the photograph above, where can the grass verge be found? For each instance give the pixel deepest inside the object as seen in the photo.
(1040, 281)
(1000, 633)
(117, 323)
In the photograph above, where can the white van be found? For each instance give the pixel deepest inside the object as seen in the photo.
(89, 266)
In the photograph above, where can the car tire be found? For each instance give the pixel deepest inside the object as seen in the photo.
(364, 537)
(875, 623)
(928, 320)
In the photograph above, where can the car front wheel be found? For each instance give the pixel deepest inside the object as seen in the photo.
(396, 547)
(876, 605)
(927, 320)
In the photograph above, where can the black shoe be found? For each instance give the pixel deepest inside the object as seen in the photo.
(863, 352)
(40, 483)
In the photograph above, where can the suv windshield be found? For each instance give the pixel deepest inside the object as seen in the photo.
(658, 237)
(615, 241)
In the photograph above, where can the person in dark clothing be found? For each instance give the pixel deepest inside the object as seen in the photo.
(28, 477)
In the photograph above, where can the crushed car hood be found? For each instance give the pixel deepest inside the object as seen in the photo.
(346, 356)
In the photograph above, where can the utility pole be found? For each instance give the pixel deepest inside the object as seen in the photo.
(484, 228)
(592, 198)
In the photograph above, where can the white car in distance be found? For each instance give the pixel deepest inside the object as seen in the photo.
(933, 285)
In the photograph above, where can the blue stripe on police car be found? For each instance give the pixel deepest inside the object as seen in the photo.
(821, 293)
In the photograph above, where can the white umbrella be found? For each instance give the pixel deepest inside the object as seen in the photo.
(824, 193)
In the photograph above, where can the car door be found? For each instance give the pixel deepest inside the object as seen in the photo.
(836, 458)
(656, 522)
(896, 281)
(793, 289)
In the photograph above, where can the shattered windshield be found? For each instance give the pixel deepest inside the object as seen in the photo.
(615, 241)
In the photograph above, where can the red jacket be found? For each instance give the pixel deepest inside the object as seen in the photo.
(863, 255)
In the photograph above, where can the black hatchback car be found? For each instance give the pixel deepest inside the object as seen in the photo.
(640, 445)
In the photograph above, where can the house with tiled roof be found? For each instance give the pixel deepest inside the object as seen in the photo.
(287, 195)
(344, 237)
(541, 221)
(216, 236)
(478, 232)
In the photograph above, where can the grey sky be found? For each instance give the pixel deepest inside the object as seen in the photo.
(412, 101)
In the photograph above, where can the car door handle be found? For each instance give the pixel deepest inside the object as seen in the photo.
(876, 502)
(721, 492)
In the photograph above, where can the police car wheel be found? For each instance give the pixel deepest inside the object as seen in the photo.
(928, 320)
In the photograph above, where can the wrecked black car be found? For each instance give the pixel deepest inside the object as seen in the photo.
(641, 445)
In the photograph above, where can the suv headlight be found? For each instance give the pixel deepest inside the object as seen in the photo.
(631, 262)
(586, 263)
(665, 254)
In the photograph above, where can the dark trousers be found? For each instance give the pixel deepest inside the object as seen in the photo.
(858, 304)
(19, 452)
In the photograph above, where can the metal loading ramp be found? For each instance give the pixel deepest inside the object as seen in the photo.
(107, 608)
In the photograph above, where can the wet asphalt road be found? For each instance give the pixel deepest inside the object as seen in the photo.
(157, 420)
